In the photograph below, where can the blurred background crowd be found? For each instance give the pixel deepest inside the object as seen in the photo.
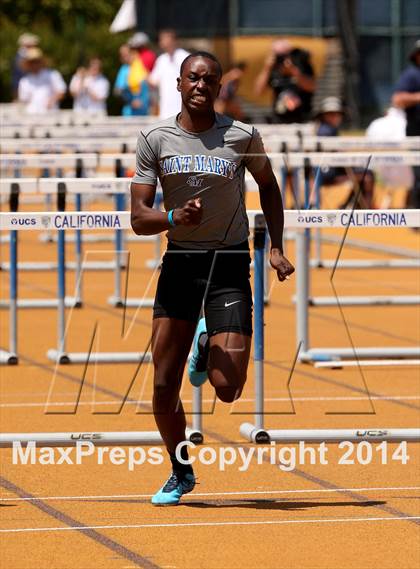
(343, 64)
(282, 60)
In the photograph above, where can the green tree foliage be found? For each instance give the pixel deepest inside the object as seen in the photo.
(71, 31)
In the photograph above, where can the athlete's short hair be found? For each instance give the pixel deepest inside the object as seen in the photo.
(206, 55)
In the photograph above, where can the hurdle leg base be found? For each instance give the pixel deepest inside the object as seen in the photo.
(254, 434)
(131, 302)
(115, 302)
(8, 358)
(60, 358)
(194, 436)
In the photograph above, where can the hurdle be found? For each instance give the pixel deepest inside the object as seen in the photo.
(10, 357)
(56, 145)
(46, 186)
(62, 221)
(76, 132)
(341, 159)
(120, 438)
(338, 143)
(13, 189)
(78, 220)
(15, 131)
(45, 161)
(400, 218)
(97, 186)
(193, 434)
(256, 432)
(358, 159)
(128, 161)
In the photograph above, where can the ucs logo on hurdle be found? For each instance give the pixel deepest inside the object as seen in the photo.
(85, 436)
(309, 219)
(373, 433)
(23, 221)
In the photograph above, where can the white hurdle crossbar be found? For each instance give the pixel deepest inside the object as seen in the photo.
(102, 186)
(400, 157)
(357, 159)
(83, 221)
(120, 438)
(365, 218)
(13, 188)
(256, 431)
(326, 218)
(47, 160)
(18, 162)
(54, 145)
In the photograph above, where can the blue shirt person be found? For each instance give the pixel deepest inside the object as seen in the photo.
(407, 97)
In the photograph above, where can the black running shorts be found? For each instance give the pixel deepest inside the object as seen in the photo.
(218, 278)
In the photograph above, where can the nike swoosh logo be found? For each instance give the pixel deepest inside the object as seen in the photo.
(230, 303)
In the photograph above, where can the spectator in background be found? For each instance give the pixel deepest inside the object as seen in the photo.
(25, 42)
(140, 42)
(407, 97)
(165, 73)
(390, 127)
(121, 81)
(89, 88)
(228, 102)
(288, 72)
(131, 83)
(41, 88)
(330, 117)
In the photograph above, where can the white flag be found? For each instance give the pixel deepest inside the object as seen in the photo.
(126, 18)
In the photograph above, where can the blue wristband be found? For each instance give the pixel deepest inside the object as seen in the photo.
(171, 218)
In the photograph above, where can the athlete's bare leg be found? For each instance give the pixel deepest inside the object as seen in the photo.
(228, 364)
(171, 344)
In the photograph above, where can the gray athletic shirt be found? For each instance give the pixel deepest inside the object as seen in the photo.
(210, 165)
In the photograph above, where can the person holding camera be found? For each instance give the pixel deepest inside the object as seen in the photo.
(289, 73)
(89, 88)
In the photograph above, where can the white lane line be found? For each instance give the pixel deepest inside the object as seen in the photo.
(213, 524)
(210, 494)
(245, 400)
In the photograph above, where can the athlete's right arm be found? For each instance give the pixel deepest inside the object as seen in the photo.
(146, 220)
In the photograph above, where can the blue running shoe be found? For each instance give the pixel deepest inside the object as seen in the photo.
(197, 366)
(176, 486)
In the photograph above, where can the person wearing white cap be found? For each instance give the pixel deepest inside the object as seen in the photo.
(139, 42)
(25, 41)
(42, 88)
(330, 116)
(165, 73)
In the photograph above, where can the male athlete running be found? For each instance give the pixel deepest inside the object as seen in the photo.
(200, 158)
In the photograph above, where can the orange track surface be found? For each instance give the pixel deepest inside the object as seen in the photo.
(316, 516)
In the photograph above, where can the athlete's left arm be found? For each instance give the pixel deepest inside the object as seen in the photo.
(272, 206)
